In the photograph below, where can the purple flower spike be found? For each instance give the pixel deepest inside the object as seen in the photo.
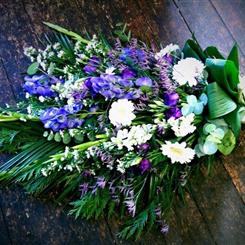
(174, 112)
(171, 99)
(145, 165)
(144, 81)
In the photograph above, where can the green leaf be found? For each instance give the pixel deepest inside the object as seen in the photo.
(233, 56)
(213, 52)
(66, 32)
(33, 68)
(219, 103)
(234, 120)
(228, 143)
(225, 73)
(193, 49)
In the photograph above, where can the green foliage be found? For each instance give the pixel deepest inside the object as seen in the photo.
(135, 226)
(33, 68)
(66, 32)
(91, 205)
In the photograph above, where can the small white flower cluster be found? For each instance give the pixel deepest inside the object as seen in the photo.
(188, 70)
(30, 52)
(183, 125)
(178, 152)
(137, 135)
(127, 161)
(62, 164)
(66, 90)
(167, 50)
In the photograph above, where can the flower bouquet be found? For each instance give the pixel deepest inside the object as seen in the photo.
(117, 127)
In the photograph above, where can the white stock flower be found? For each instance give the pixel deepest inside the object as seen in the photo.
(167, 50)
(183, 125)
(137, 135)
(178, 152)
(188, 70)
(121, 113)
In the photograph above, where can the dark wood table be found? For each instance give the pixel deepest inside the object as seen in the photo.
(214, 213)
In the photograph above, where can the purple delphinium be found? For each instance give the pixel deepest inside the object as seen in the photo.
(144, 81)
(171, 99)
(174, 112)
(40, 85)
(145, 165)
(59, 118)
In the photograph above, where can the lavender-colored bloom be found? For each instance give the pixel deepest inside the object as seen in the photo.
(174, 112)
(90, 69)
(164, 229)
(92, 65)
(144, 147)
(128, 73)
(131, 206)
(145, 165)
(171, 99)
(101, 182)
(125, 82)
(83, 188)
(144, 81)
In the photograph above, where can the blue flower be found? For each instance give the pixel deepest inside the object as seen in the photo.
(194, 105)
(144, 81)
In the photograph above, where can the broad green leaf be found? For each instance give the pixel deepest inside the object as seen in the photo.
(66, 32)
(234, 120)
(225, 73)
(219, 103)
(33, 68)
(228, 143)
(192, 49)
(213, 52)
(233, 56)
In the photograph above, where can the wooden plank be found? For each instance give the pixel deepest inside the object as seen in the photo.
(6, 92)
(208, 27)
(15, 35)
(220, 205)
(168, 24)
(235, 166)
(32, 221)
(232, 14)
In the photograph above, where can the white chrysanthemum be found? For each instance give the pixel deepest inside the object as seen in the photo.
(167, 50)
(121, 113)
(189, 71)
(183, 125)
(178, 152)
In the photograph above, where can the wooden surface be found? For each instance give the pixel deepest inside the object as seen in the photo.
(214, 213)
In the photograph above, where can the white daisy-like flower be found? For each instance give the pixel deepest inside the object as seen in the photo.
(121, 113)
(110, 70)
(183, 125)
(167, 50)
(178, 152)
(189, 70)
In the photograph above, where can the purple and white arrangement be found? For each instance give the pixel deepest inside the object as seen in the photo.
(116, 128)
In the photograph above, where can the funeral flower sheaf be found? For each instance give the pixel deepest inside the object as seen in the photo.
(117, 127)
